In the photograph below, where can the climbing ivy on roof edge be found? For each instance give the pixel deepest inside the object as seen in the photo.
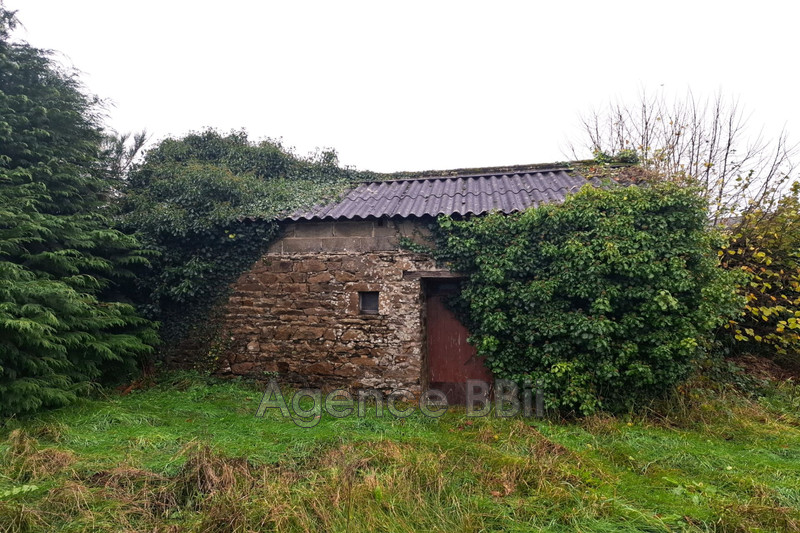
(607, 299)
(207, 204)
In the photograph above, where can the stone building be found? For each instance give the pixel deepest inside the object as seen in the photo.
(337, 302)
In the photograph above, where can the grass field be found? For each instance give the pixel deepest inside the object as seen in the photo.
(188, 454)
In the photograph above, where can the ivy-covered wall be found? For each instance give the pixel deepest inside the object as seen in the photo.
(609, 300)
(295, 313)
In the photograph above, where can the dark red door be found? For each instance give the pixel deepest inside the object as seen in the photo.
(451, 361)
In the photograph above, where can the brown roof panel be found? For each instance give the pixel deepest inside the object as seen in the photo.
(449, 195)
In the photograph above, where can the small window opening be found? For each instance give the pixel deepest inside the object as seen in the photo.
(380, 222)
(368, 303)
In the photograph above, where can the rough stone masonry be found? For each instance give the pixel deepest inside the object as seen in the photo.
(296, 313)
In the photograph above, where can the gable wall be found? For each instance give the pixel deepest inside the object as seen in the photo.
(296, 311)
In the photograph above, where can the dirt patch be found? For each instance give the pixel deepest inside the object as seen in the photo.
(765, 369)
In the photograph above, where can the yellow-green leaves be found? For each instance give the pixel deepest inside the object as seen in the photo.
(767, 248)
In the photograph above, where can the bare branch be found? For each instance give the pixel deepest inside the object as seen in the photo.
(700, 143)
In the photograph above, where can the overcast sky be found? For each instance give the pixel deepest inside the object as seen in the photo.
(416, 85)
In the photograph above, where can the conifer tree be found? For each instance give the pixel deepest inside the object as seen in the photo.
(62, 328)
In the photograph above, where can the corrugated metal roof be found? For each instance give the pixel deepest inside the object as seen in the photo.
(449, 195)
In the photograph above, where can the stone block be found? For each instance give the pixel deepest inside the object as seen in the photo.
(320, 289)
(355, 264)
(322, 277)
(280, 265)
(307, 333)
(303, 245)
(294, 288)
(344, 276)
(314, 230)
(347, 244)
(283, 333)
(322, 367)
(347, 371)
(267, 278)
(386, 243)
(242, 368)
(353, 228)
(310, 265)
(362, 286)
(385, 228)
(250, 287)
(354, 335)
(317, 311)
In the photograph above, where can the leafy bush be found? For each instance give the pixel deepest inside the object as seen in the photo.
(766, 245)
(607, 299)
(206, 204)
(630, 157)
(62, 323)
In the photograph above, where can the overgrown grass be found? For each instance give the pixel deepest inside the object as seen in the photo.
(188, 455)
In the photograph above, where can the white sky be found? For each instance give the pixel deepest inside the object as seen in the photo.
(416, 85)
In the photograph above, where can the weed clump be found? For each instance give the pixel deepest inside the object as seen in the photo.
(207, 473)
(26, 461)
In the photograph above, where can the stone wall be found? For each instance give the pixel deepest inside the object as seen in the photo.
(296, 312)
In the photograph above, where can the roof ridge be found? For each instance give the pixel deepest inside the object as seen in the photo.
(437, 177)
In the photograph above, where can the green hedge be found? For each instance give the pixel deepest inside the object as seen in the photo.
(607, 299)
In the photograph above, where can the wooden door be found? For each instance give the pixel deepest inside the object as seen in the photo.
(451, 361)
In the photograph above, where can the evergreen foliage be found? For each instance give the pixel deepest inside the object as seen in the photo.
(607, 299)
(62, 326)
(207, 204)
